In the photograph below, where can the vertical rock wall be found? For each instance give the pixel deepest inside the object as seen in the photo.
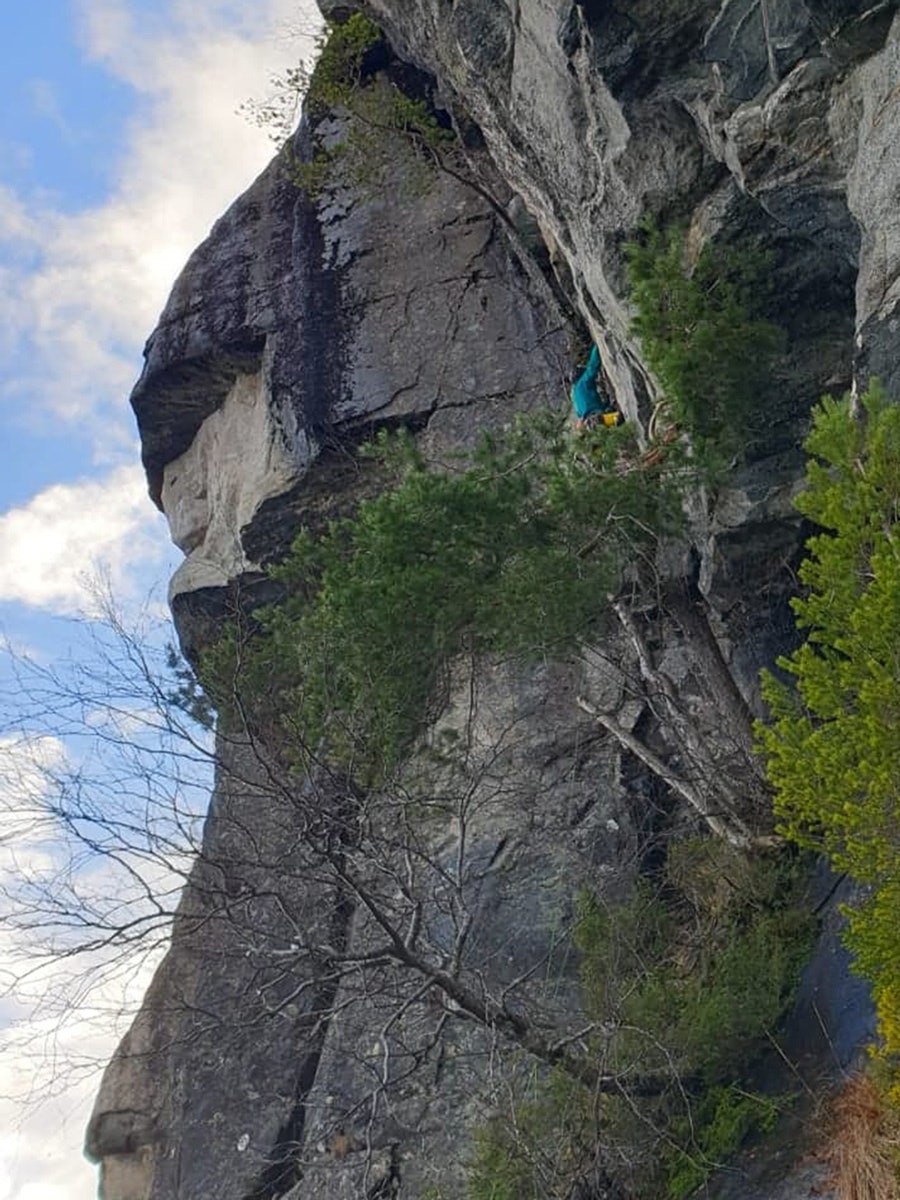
(762, 119)
(301, 327)
(294, 332)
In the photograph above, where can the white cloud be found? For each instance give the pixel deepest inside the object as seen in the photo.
(50, 1067)
(24, 763)
(17, 224)
(51, 547)
(102, 275)
(61, 1015)
(27, 765)
(25, 1172)
(79, 293)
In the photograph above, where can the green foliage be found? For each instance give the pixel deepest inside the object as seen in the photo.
(703, 336)
(691, 978)
(686, 977)
(833, 748)
(747, 986)
(186, 692)
(539, 1149)
(341, 53)
(616, 942)
(513, 555)
(386, 126)
(704, 1001)
(499, 1170)
(383, 119)
(721, 1122)
(312, 176)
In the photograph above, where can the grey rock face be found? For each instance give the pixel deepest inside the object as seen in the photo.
(300, 327)
(294, 332)
(316, 323)
(205, 1086)
(539, 814)
(735, 117)
(252, 1063)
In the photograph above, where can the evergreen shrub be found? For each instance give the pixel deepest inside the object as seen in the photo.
(833, 745)
(512, 554)
(704, 336)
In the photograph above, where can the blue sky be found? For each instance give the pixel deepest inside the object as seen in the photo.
(120, 144)
(61, 119)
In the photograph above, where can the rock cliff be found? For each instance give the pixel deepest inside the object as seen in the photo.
(301, 327)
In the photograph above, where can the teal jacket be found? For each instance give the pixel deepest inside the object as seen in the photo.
(585, 397)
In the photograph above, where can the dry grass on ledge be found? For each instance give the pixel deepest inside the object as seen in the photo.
(863, 1143)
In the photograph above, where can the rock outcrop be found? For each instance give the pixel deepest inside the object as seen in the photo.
(303, 326)
(299, 329)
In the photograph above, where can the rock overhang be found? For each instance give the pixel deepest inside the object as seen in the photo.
(740, 166)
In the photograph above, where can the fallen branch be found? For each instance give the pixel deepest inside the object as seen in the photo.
(732, 829)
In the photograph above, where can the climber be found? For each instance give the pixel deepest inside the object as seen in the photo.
(591, 407)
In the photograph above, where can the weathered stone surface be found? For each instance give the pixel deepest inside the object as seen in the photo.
(236, 462)
(244, 1070)
(205, 1087)
(871, 97)
(602, 113)
(752, 533)
(355, 311)
(303, 327)
(540, 816)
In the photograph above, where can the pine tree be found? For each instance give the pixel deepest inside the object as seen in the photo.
(834, 745)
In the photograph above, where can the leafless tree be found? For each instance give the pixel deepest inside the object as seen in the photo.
(309, 898)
